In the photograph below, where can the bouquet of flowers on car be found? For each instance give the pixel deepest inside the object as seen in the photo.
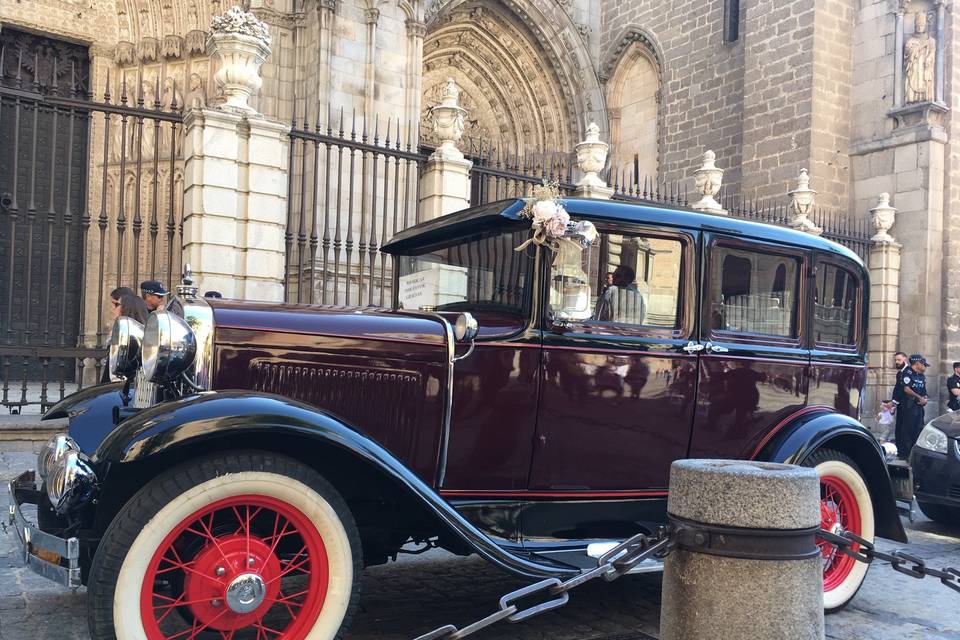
(551, 224)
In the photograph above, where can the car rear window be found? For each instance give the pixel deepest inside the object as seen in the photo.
(835, 306)
(754, 292)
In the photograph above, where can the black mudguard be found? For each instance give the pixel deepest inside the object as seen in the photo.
(206, 420)
(798, 439)
(90, 412)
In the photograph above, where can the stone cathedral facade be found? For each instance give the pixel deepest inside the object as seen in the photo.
(861, 93)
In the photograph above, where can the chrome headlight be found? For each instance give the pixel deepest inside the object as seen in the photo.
(932, 439)
(169, 347)
(125, 342)
(53, 452)
(71, 482)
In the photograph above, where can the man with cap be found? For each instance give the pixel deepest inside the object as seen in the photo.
(154, 294)
(953, 389)
(914, 399)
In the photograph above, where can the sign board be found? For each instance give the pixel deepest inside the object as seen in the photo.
(436, 285)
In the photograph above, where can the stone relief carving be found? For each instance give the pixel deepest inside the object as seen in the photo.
(172, 47)
(149, 50)
(196, 93)
(196, 43)
(237, 21)
(919, 61)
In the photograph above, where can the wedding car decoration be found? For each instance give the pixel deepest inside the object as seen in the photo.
(551, 224)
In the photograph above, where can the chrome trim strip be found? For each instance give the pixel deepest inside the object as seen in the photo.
(31, 537)
(448, 405)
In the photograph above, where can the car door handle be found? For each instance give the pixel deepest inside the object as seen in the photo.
(693, 347)
(713, 348)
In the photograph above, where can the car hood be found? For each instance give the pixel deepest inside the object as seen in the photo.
(949, 423)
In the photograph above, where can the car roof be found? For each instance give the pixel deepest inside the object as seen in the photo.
(505, 214)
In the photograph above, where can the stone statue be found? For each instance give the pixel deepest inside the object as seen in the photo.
(171, 97)
(919, 58)
(196, 93)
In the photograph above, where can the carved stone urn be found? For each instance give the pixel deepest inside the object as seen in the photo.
(447, 119)
(801, 204)
(883, 217)
(592, 157)
(707, 180)
(242, 43)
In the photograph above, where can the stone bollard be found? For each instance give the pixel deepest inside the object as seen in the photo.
(726, 581)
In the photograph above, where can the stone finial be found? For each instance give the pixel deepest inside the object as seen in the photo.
(801, 204)
(242, 43)
(707, 180)
(447, 119)
(592, 157)
(883, 216)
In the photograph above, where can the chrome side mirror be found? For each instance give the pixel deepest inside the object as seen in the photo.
(466, 328)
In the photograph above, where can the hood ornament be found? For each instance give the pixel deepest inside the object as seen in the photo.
(186, 287)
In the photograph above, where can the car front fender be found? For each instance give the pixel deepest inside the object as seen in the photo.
(216, 421)
(90, 412)
(816, 429)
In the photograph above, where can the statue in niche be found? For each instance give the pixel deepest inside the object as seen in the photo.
(171, 97)
(919, 59)
(196, 93)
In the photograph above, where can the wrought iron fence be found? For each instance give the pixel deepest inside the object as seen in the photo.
(498, 176)
(352, 185)
(91, 196)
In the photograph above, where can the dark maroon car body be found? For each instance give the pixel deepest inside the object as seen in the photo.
(524, 458)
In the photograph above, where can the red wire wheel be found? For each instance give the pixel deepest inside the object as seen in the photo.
(247, 566)
(839, 511)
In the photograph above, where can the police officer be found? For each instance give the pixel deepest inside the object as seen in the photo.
(953, 389)
(914, 399)
(902, 366)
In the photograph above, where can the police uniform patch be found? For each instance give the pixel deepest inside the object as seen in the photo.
(906, 379)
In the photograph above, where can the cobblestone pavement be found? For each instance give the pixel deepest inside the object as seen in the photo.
(405, 599)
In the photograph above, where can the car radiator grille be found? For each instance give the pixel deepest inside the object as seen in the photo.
(145, 393)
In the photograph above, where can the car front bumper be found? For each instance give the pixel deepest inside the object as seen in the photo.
(936, 476)
(55, 558)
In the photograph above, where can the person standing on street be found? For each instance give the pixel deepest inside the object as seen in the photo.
(914, 400)
(154, 294)
(953, 389)
(115, 297)
(902, 366)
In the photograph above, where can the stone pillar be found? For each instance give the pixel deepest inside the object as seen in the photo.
(709, 596)
(592, 158)
(801, 204)
(884, 265)
(235, 183)
(707, 180)
(445, 183)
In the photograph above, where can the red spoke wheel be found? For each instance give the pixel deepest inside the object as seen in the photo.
(845, 505)
(242, 553)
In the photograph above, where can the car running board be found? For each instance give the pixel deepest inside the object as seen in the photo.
(587, 559)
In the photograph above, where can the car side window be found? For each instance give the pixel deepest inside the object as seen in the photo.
(754, 292)
(623, 279)
(835, 306)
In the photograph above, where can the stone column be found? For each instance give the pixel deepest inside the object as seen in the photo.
(884, 265)
(718, 585)
(235, 187)
(592, 158)
(445, 183)
(707, 180)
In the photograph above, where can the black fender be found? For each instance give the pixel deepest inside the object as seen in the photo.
(796, 440)
(210, 421)
(90, 412)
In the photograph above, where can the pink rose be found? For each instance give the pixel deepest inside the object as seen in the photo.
(557, 225)
(544, 210)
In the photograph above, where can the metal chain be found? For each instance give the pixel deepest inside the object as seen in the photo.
(553, 592)
(901, 561)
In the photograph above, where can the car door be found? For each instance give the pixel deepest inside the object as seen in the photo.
(618, 379)
(754, 368)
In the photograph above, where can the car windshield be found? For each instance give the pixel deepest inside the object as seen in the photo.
(482, 274)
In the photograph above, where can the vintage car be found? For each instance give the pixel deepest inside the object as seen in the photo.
(935, 464)
(521, 405)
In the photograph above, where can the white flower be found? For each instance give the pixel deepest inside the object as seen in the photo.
(587, 231)
(556, 226)
(544, 210)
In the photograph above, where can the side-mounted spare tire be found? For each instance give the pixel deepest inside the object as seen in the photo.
(845, 504)
(236, 541)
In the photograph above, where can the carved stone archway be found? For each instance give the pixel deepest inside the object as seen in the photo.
(524, 92)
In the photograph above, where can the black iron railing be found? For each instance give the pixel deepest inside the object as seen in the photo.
(90, 199)
(352, 185)
(497, 176)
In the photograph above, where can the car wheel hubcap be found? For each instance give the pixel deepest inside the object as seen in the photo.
(246, 593)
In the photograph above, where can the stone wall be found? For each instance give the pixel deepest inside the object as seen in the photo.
(701, 91)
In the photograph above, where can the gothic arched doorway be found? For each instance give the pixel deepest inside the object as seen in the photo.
(517, 87)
